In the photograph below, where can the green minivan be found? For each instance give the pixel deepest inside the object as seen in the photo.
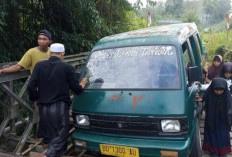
(140, 99)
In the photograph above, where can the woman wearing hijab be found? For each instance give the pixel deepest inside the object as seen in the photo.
(215, 69)
(226, 73)
(218, 118)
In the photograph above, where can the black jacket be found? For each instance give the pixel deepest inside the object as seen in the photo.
(218, 103)
(51, 81)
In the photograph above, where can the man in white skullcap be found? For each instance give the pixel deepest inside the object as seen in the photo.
(49, 86)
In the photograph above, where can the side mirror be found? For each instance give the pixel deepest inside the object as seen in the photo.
(193, 74)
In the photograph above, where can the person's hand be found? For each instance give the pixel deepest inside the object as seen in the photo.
(1, 72)
(199, 84)
(36, 103)
(197, 98)
(207, 80)
(83, 82)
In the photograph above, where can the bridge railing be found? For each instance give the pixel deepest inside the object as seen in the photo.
(15, 101)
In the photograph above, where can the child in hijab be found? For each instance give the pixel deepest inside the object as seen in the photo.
(218, 109)
(226, 73)
(215, 69)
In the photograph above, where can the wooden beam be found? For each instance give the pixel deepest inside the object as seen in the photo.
(33, 146)
(75, 59)
(14, 76)
(35, 154)
(82, 153)
(8, 155)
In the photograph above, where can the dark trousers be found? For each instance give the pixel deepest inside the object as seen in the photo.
(54, 126)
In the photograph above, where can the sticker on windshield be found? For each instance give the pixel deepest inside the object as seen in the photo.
(133, 52)
(157, 51)
(141, 67)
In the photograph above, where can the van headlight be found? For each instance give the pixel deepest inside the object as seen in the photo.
(82, 120)
(170, 125)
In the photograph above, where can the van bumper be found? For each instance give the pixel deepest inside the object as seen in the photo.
(147, 147)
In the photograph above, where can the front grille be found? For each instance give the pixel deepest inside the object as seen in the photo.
(130, 125)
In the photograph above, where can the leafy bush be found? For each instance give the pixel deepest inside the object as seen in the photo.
(78, 24)
(215, 43)
(221, 50)
(228, 56)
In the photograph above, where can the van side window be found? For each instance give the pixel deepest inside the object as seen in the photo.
(186, 54)
(196, 48)
(187, 58)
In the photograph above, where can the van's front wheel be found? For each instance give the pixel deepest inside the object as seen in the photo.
(196, 147)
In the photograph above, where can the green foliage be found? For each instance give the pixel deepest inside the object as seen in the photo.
(204, 13)
(191, 16)
(174, 7)
(151, 3)
(220, 50)
(136, 21)
(216, 10)
(216, 43)
(76, 23)
(119, 21)
(228, 56)
(139, 4)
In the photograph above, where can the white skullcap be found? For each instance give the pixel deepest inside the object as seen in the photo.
(57, 48)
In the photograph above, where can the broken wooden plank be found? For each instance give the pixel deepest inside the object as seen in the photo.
(33, 146)
(82, 152)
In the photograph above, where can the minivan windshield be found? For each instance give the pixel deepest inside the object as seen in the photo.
(141, 67)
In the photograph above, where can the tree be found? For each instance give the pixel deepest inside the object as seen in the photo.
(174, 7)
(191, 16)
(216, 11)
(139, 3)
(76, 23)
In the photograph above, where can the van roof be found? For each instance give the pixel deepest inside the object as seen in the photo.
(164, 34)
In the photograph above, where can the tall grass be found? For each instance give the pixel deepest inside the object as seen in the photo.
(215, 40)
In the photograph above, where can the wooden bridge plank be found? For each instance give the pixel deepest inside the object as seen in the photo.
(82, 153)
(14, 76)
(8, 155)
(33, 146)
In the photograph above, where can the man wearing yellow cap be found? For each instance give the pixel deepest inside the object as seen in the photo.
(49, 86)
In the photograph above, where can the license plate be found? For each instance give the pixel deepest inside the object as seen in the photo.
(120, 151)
